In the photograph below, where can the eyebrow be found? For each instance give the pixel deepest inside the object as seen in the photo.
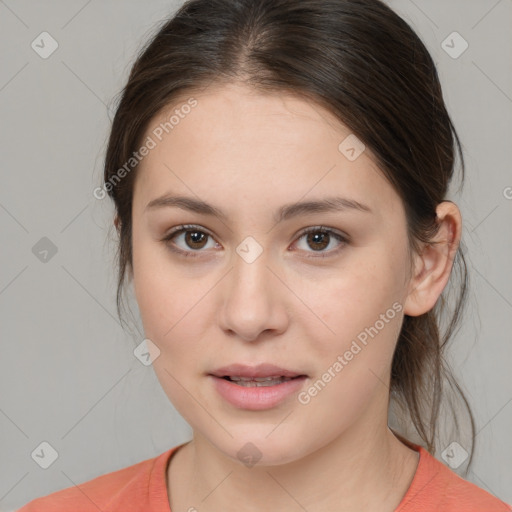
(328, 204)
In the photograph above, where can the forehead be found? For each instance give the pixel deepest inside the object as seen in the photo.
(252, 143)
(241, 110)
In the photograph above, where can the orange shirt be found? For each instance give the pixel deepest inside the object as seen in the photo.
(142, 487)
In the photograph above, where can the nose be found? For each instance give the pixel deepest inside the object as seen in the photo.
(255, 301)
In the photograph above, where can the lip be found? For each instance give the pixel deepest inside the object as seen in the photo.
(256, 398)
(260, 370)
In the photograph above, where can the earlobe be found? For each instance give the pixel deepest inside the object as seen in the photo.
(433, 266)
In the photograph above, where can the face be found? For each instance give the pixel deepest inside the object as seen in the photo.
(253, 281)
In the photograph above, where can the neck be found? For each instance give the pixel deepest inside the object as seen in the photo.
(360, 470)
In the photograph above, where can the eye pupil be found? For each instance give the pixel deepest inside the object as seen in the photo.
(318, 237)
(195, 237)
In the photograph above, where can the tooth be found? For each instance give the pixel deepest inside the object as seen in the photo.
(258, 379)
(266, 381)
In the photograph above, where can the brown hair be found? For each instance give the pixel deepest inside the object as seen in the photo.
(362, 62)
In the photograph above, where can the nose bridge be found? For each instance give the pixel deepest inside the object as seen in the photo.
(251, 300)
(251, 276)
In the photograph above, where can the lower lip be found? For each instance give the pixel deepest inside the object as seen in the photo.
(256, 398)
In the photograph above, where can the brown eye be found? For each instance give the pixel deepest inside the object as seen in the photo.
(319, 238)
(187, 240)
(195, 239)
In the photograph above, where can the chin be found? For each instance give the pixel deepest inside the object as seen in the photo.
(255, 447)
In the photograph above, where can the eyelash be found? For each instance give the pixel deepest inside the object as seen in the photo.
(314, 229)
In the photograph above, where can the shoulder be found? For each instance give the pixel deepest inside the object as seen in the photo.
(435, 487)
(130, 485)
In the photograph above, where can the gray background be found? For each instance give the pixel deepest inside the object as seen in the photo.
(68, 375)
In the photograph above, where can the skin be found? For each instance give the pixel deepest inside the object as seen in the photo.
(248, 154)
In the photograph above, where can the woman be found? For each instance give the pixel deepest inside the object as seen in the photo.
(280, 171)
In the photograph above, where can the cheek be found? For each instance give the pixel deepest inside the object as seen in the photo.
(173, 314)
(352, 366)
(168, 306)
(161, 292)
(363, 311)
(363, 298)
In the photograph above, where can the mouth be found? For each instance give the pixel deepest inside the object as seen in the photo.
(256, 387)
(250, 382)
(265, 374)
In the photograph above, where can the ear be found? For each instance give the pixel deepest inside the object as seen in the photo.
(117, 223)
(433, 266)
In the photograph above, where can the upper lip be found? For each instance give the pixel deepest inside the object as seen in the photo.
(260, 370)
